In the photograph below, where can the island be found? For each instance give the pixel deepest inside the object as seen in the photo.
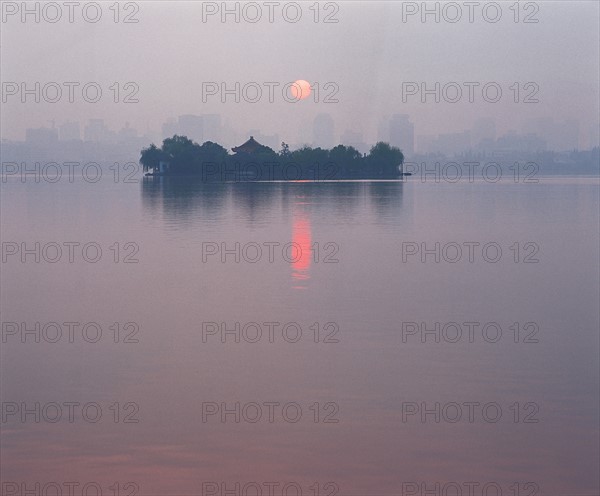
(252, 161)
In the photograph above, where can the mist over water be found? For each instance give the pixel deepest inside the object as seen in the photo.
(529, 68)
(421, 319)
(368, 364)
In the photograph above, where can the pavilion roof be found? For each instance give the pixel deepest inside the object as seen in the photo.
(249, 146)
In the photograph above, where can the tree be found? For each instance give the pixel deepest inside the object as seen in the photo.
(285, 149)
(183, 153)
(385, 159)
(188, 157)
(346, 159)
(150, 157)
(212, 152)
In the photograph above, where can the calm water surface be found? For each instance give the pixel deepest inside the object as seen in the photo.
(344, 275)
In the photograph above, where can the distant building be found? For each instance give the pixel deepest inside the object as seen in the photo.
(566, 136)
(41, 136)
(191, 126)
(513, 142)
(402, 134)
(198, 128)
(483, 132)
(69, 131)
(354, 139)
(323, 131)
(212, 128)
(594, 136)
(449, 144)
(454, 143)
(96, 130)
(426, 143)
(169, 128)
(383, 129)
(559, 136)
(127, 133)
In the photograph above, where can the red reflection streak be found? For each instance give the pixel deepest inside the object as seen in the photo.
(301, 237)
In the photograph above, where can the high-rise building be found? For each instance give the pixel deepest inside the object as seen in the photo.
(484, 131)
(191, 126)
(95, 130)
(212, 128)
(559, 136)
(69, 131)
(594, 136)
(127, 133)
(454, 143)
(41, 136)
(402, 134)
(449, 144)
(354, 139)
(427, 143)
(513, 142)
(383, 129)
(565, 135)
(169, 128)
(323, 131)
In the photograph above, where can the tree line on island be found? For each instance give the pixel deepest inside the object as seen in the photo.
(255, 162)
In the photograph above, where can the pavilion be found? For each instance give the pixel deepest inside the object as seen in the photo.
(249, 147)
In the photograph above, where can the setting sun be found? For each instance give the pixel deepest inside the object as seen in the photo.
(300, 89)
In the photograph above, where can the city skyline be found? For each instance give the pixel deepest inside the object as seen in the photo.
(359, 75)
(397, 129)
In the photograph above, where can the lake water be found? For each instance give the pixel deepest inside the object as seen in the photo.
(368, 360)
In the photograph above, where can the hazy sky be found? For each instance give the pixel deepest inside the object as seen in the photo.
(368, 54)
